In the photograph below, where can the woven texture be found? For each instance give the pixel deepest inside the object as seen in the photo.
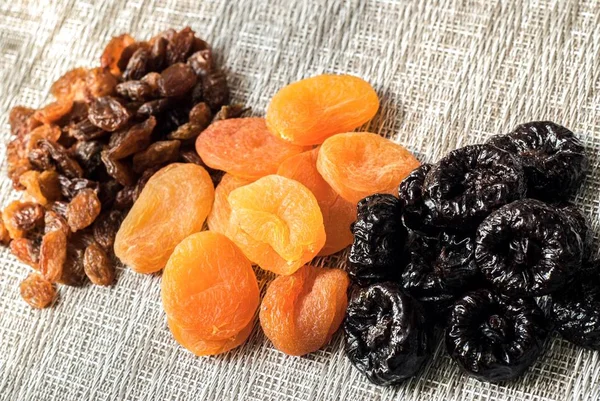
(449, 73)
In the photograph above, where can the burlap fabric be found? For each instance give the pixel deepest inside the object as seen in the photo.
(449, 73)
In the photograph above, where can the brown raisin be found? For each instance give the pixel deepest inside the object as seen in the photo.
(201, 62)
(53, 253)
(53, 221)
(138, 64)
(132, 140)
(97, 265)
(215, 89)
(158, 53)
(124, 199)
(108, 113)
(44, 187)
(186, 131)
(113, 51)
(27, 251)
(83, 209)
(105, 228)
(85, 131)
(54, 111)
(70, 86)
(200, 115)
(21, 217)
(176, 80)
(154, 107)
(135, 90)
(119, 170)
(87, 154)
(230, 111)
(100, 82)
(73, 270)
(59, 155)
(71, 187)
(37, 291)
(18, 119)
(180, 46)
(157, 154)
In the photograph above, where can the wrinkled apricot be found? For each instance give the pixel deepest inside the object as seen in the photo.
(277, 223)
(209, 287)
(173, 204)
(300, 313)
(218, 218)
(243, 147)
(309, 111)
(338, 213)
(358, 164)
(196, 344)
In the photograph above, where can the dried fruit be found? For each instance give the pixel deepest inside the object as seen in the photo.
(173, 204)
(56, 222)
(554, 160)
(416, 215)
(215, 90)
(100, 82)
(113, 51)
(300, 312)
(53, 254)
(277, 223)
(387, 337)
(27, 251)
(54, 111)
(218, 219)
(239, 145)
(199, 346)
(379, 237)
(208, 286)
(176, 80)
(338, 213)
(83, 209)
(55, 154)
(71, 86)
(358, 164)
(132, 140)
(21, 217)
(37, 291)
(309, 111)
(495, 338)
(157, 154)
(44, 187)
(108, 113)
(105, 228)
(97, 265)
(528, 248)
(138, 65)
(119, 170)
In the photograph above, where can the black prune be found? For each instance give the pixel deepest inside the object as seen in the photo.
(528, 248)
(554, 160)
(440, 269)
(581, 225)
(469, 183)
(415, 211)
(495, 338)
(379, 236)
(575, 309)
(387, 336)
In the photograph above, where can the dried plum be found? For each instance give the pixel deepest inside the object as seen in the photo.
(554, 160)
(495, 338)
(387, 336)
(377, 251)
(469, 183)
(575, 309)
(528, 248)
(415, 211)
(580, 224)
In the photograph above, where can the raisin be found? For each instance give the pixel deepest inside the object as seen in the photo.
(135, 90)
(138, 65)
(201, 115)
(108, 113)
(105, 228)
(70, 86)
(53, 254)
(108, 193)
(186, 131)
(100, 82)
(44, 187)
(231, 111)
(54, 111)
(56, 222)
(575, 309)
(49, 132)
(201, 62)
(554, 160)
(151, 79)
(377, 251)
(83, 209)
(158, 153)
(73, 269)
(87, 155)
(130, 141)
(98, 266)
(387, 337)
(18, 119)
(4, 235)
(128, 53)
(60, 157)
(158, 54)
(113, 51)
(180, 46)
(528, 248)
(154, 107)
(37, 291)
(71, 187)
(415, 214)
(119, 170)
(22, 217)
(495, 338)
(86, 131)
(215, 90)
(176, 80)
(27, 251)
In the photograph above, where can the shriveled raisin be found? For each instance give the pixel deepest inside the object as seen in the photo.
(98, 266)
(53, 253)
(59, 156)
(43, 187)
(130, 141)
(21, 217)
(138, 64)
(100, 82)
(105, 228)
(200, 115)
(18, 119)
(117, 169)
(54, 111)
(27, 251)
(87, 155)
(135, 90)
(180, 46)
(157, 154)
(230, 111)
(37, 291)
(55, 222)
(85, 131)
(71, 187)
(201, 62)
(83, 209)
(108, 113)
(215, 89)
(158, 53)
(113, 51)
(186, 131)
(176, 80)
(155, 107)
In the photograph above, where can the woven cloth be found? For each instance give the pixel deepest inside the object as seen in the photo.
(448, 72)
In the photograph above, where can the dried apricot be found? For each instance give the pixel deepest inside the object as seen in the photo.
(277, 223)
(209, 287)
(309, 111)
(358, 164)
(300, 312)
(218, 219)
(243, 147)
(173, 204)
(199, 346)
(338, 213)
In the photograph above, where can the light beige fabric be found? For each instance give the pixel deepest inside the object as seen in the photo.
(449, 73)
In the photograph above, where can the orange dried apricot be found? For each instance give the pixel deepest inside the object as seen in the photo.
(173, 204)
(196, 344)
(309, 111)
(243, 147)
(277, 223)
(218, 218)
(209, 287)
(300, 313)
(338, 213)
(358, 164)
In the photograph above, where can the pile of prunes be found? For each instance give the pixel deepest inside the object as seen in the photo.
(474, 244)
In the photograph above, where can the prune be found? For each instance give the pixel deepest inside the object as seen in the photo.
(53, 254)
(176, 80)
(387, 336)
(469, 183)
(130, 141)
(416, 214)
(87, 155)
(495, 338)
(22, 217)
(138, 65)
(105, 228)
(575, 309)
(377, 251)
(71, 187)
(97, 265)
(215, 90)
(27, 251)
(83, 209)
(157, 154)
(554, 160)
(439, 269)
(528, 248)
(108, 113)
(59, 156)
(580, 223)
(37, 291)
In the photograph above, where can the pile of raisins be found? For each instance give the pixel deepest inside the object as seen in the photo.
(470, 245)
(83, 159)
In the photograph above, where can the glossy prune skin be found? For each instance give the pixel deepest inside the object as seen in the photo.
(379, 236)
(528, 248)
(440, 269)
(416, 214)
(554, 160)
(581, 225)
(387, 336)
(575, 309)
(469, 183)
(495, 338)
